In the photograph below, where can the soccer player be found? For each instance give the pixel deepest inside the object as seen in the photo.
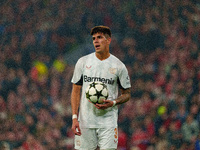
(96, 124)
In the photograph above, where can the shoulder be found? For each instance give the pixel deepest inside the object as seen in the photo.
(85, 58)
(116, 61)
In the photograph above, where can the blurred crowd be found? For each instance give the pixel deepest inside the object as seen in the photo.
(157, 40)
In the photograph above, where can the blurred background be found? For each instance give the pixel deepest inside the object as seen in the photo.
(158, 40)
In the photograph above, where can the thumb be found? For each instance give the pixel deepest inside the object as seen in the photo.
(78, 130)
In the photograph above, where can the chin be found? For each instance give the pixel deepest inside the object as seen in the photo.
(98, 51)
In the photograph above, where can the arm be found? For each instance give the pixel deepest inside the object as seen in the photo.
(124, 97)
(75, 101)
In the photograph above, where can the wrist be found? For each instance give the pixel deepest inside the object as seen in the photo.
(74, 116)
(114, 103)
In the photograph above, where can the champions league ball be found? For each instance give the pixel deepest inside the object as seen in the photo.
(96, 92)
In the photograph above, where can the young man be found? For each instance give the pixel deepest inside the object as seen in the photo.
(97, 123)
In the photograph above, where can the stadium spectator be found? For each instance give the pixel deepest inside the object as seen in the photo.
(190, 129)
(174, 135)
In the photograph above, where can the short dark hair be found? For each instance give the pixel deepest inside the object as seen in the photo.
(101, 29)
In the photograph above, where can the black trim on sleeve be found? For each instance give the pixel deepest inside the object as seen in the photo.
(80, 82)
(120, 86)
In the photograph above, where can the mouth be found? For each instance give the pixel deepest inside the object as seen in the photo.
(97, 46)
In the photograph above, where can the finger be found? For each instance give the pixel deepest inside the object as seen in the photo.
(89, 100)
(97, 106)
(107, 101)
(74, 130)
(78, 131)
(101, 107)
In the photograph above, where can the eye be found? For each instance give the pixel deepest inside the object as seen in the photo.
(93, 38)
(99, 37)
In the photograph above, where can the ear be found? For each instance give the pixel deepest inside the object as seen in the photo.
(109, 40)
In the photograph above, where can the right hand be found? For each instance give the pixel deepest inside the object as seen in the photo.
(75, 127)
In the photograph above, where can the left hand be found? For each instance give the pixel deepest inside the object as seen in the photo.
(104, 105)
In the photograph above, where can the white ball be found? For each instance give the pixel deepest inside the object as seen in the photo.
(96, 92)
(92, 91)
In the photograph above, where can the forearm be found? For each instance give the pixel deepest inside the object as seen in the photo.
(75, 101)
(75, 98)
(124, 97)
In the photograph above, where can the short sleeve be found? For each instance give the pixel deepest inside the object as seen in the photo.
(124, 78)
(78, 72)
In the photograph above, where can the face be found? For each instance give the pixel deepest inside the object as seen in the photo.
(101, 43)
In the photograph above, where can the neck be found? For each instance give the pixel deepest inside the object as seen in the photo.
(102, 56)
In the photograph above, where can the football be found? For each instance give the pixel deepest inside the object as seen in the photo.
(96, 92)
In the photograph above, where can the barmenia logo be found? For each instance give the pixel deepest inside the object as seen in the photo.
(98, 79)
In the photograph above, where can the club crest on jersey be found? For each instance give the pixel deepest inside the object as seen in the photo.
(113, 70)
(88, 67)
